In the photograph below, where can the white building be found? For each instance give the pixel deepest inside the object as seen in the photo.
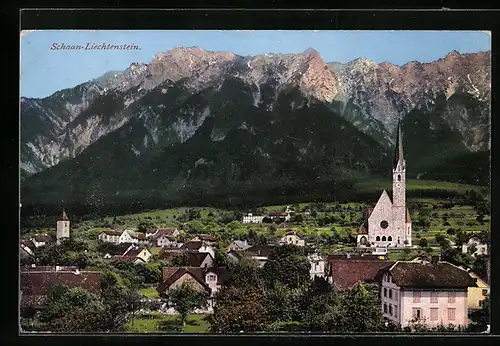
(432, 294)
(250, 218)
(475, 242)
(292, 238)
(318, 265)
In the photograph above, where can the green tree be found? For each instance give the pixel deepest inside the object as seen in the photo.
(145, 224)
(239, 309)
(481, 318)
(243, 273)
(186, 298)
(288, 265)
(423, 243)
(74, 310)
(360, 311)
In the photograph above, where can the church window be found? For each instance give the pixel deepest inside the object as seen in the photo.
(398, 240)
(383, 238)
(378, 238)
(389, 238)
(399, 177)
(384, 224)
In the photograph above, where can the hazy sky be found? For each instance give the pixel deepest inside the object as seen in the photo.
(45, 71)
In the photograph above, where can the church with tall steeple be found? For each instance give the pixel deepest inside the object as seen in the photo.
(63, 228)
(388, 224)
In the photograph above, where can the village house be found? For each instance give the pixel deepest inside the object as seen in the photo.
(345, 272)
(205, 238)
(173, 232)
(165, 237)
(476, 294)
(37, 284)
(209, 280)
(238, 245)
(41, 240)
(292, 238)
(250, 218)
(137, 252)
(430, 293)
(318, 265)
(258, 253)
(26, 248)
(110, 236)
(283, 216)
(118, 249)
(475, 247)
(198, 246)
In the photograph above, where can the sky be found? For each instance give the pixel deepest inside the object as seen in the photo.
(45, 70)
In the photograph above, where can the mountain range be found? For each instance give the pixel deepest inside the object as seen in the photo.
(194, 123)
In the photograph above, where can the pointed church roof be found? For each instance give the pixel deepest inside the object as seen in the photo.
(64, 216)
(398, 155)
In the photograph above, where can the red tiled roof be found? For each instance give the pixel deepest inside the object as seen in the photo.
(112, 232)
(36, 285)
(260, 250)
(206, 237)
(194, 272)
(28, 243)
(279, 213)
(64, 217)
(192, 245)
(141, 236)
(348, 273)
(427, 275)
(195, 259)
(162, 230)
(43, 238)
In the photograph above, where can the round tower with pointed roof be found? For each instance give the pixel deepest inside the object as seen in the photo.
(63, 227)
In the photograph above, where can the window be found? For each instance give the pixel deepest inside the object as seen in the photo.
(389, 238)
(485, 292)
(417, 313)
(481, 303)
(212, 277)
(390, 309)
(384, 224)
(451, 314)
(395, 295)
(451, 297)
(385, 292)
(434, 297)
(399, 177)
(416, 297)
(385, 308)
(383, 238)
(434, 314)
(378, 238)
(390, 294)
(395, 311)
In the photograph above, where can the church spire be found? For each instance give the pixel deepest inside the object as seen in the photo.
(64, 216)
(398, 155)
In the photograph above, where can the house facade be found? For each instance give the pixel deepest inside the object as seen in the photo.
(110, 236)
(475, 243)
(292, 238)
(209, 280)
(141, 253)
(41, 240)
(284, 216)
(433, 294)
(250, 218)
(318, 265)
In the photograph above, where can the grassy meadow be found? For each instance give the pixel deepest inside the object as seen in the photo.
(160, 323)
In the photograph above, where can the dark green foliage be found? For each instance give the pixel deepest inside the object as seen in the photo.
(186, 298)
(288, 265)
